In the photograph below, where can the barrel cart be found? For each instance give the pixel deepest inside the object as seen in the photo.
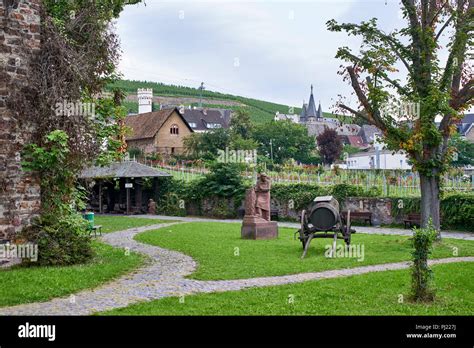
(322, 219)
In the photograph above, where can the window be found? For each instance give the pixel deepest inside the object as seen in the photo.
(214, 125)
(174, 129)
(192, 124)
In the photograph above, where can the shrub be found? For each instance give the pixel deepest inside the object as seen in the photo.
(422, 275)
(60, 233)
(60, 243)
(170, 204)
(300, 194)
(222, 210)
(224, 180)
(303, 193)
(457, 210)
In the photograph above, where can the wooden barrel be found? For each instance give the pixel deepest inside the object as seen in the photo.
(324, 213)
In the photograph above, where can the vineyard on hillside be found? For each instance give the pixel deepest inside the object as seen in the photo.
(260, 111)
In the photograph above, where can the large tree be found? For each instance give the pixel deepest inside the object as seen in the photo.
(283, 140)
(329, 145)
(433, 87)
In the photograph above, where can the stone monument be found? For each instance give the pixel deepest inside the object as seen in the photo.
(256, 223)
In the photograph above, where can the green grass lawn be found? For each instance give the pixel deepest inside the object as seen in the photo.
(215, 245)
(34, 284)
(369, 294)
(117, 223)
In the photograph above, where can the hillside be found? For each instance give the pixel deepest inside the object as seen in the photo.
(260, 111)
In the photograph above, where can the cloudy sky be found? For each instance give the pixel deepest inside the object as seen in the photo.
(271, 50)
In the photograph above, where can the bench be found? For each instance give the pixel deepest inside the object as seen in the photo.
(95, 229)
(365, 216)
(412, 219)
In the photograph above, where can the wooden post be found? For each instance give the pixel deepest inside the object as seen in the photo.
(128, 197)
(138, 195)
(100, 197)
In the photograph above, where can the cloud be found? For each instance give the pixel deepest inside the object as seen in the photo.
(271, 50)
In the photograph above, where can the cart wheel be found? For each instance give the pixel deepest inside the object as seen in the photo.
(348, 228)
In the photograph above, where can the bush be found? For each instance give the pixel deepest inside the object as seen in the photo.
(422, 275)
(303, 193)
(457, 210)
(300, 194)
(224, 180)
(65, 242)
(60, 233)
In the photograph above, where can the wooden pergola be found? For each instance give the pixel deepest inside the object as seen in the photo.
(128, 173)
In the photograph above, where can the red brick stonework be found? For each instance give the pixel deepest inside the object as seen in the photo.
(19, 192)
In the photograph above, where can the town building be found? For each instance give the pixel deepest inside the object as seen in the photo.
(160, 131)
(378, 159)
(287, 117)
(206, 119)
(199, 119)
(466, 127)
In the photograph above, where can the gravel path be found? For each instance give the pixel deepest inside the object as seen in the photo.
(164, 276)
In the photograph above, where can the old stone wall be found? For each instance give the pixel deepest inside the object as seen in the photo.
(19, 192)
(381, 208)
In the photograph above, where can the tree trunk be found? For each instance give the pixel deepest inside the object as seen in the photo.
(430, 201)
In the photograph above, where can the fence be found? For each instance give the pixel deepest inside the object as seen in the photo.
(404, 184)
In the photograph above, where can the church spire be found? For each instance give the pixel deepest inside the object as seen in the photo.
(311, 110)
(320, 110)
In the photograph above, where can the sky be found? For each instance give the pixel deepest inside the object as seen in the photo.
(271, 50)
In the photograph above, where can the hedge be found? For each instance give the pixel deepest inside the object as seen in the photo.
(457, 210)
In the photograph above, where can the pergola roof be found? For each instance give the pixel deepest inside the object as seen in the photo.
(125, 169)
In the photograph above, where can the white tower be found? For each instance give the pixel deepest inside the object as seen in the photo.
(145, 98)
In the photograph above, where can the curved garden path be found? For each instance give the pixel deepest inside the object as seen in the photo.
(164, 276)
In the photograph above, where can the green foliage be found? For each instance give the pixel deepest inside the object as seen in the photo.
(240, 124)
(206, 145)
(285, 140)
(61, 242)
(302, 194)
(110, 130)
(222, 210)
(135, 152)
(464, 150)
(404, 106)
(349, 149)
(58, 191)
(457, 210)
(60, 232)
(342, 191)
(107, 9)
(422, 275)
(224, 180)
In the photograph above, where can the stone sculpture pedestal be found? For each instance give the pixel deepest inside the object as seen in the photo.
(254, 227)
